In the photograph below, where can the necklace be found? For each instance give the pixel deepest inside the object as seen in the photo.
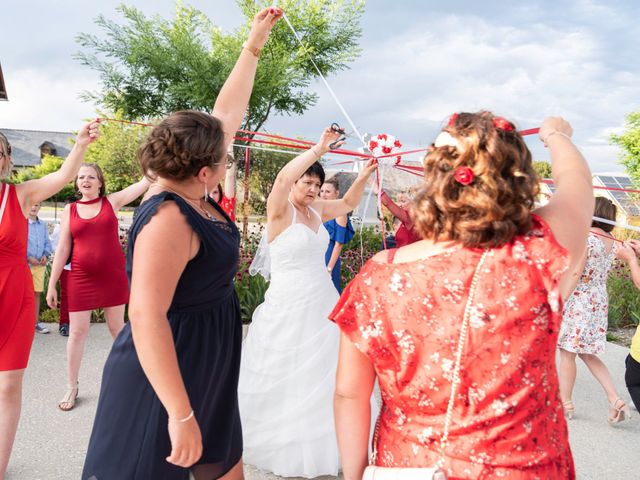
(298, 208)
(192, 202)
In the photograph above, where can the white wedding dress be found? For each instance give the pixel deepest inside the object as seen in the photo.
(289, 359)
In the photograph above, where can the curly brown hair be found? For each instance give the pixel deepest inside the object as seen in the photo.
(183, 143)
(496, 205)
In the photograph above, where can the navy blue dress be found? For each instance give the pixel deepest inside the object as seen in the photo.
(130, 440)
(337, 233)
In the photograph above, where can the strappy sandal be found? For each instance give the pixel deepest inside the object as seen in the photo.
(618, 412)
(568, 407)
(68, 402)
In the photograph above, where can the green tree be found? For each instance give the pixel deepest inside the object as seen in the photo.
(629, 141)
(150, 66)
(543, 169)
(48, 165)
(115, 151)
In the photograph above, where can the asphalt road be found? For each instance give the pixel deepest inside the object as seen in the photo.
(51, 444)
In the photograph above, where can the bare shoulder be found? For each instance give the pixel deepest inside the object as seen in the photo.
(381, 256)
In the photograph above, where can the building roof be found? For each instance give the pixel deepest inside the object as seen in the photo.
(26, 145)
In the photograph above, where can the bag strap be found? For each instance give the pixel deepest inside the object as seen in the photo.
(444, 441)
(5, 196)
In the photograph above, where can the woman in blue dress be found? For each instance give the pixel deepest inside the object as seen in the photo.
(340, 232)
(168, 406)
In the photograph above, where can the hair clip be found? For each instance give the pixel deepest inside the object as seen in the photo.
(502, 124)
(452, 119)
(464, 175)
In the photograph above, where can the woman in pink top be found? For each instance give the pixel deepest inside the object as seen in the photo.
(485, 282)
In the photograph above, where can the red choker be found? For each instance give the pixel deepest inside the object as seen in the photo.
(89, 202)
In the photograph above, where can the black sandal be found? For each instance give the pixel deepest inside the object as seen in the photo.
(64, 329)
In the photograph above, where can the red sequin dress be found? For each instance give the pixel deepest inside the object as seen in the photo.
(97, 278)
(508, 420)
(17, 301)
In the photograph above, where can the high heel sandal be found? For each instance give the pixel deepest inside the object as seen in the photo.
(568, 407)
(618, 412)
(68, 402)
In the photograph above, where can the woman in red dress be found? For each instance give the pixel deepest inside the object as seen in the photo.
(227, 200)
(411, 312)
(406, 233)
(17, 304)
(97, 278)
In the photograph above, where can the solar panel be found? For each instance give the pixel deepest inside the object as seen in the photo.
(628, 202)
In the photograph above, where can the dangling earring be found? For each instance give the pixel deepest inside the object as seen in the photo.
(206, 192)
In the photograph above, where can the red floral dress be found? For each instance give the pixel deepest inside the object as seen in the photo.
(406, 317)
(229, 206)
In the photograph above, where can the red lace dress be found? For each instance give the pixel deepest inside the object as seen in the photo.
(17, 301)
(406, 317)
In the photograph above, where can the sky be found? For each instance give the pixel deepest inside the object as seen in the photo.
(421, 61)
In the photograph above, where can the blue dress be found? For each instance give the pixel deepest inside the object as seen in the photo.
(337, 233)
(130, 440)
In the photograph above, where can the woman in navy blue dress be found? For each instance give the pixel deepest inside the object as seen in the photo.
(168, 403)
(340, 232)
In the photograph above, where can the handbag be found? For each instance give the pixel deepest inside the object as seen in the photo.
(4, 200)
(438, 472)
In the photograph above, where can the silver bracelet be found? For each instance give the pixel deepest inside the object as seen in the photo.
(559, 133)
(185, 419)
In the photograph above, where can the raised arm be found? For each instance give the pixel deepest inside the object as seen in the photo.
(233, 98)
(35, 191)
(292, 171)
(230, 181)
(60, 258)
(335, 208)
(167, 236)
(129, 194)
(570, 209)
(397, 211)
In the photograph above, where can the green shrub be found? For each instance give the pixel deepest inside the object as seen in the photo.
(49, 316)
(357, 252)
(624, 297)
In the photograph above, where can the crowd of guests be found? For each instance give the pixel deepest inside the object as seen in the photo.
(459, 324)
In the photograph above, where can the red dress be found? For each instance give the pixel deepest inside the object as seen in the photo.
(229, 206)
(406, 233)
(97, 278)
(17, 300)
(507, 419)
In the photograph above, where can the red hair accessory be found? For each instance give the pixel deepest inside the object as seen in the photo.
(464, 175)
(452, 119)
(502, 124)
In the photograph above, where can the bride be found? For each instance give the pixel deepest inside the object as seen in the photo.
(289, 358)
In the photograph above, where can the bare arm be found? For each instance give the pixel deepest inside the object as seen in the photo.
(337, 247)
(335, 208)
(570, 209)
(277, 204)
(570, 280)
(161, 253)
(35, 191)
(233, 98)
(352, 408)
(230, 181)
(129, 194)
(60, 258)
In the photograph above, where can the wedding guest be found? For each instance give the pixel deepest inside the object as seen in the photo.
(38, 253)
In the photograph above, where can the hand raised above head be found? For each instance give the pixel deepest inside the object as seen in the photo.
(555, 125)
(89, 133)
(328, 137)
(263, 22)
(368, 169)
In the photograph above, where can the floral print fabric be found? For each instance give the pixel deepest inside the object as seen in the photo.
(507, 420)
(585, 317)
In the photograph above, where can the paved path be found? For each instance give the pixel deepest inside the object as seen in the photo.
(51, 444)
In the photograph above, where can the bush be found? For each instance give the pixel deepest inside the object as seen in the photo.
(624, 297)
(250, 289)
(358, 251)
